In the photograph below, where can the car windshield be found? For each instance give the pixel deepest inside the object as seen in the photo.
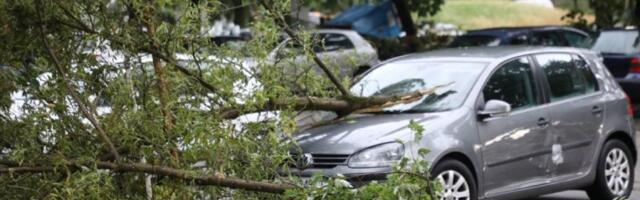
(474, 40)
(453, 79)
(622, 42)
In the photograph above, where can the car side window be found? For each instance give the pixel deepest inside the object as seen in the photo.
(547, 38)
(513, 83)
(590, 79)
(522, 39)
(576, 40)
(327, 42)
(563, 76)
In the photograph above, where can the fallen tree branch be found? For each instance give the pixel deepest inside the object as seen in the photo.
(81, 26)
(76, 97)
(341, 107)
(190, 176)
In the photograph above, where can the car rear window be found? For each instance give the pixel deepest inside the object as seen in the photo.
(617, 42)
(474, 40)
(567, 75)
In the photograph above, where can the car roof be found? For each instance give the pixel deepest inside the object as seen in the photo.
(505, 31)
(619, 30)
(478, 54)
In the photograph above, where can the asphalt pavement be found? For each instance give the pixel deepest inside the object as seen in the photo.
(581, 195)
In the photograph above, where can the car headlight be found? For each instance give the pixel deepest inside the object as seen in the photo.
(378, 156)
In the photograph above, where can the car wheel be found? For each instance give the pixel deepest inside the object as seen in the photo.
(456, 181)
(614, 177)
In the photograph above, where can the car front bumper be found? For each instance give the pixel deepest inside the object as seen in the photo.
(356, 176)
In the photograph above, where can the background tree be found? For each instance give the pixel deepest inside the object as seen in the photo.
(422, 8)
(608, 14)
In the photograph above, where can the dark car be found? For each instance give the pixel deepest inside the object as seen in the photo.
(620, 50)
(539, 36)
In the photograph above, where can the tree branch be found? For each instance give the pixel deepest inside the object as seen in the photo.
(341, 106)
(157, 67)
(81, 26)
(171, 61)
(280, 21)
(190, 176)
(83, 109)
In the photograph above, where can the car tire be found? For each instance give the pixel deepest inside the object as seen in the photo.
(612, 158)
(448, 173)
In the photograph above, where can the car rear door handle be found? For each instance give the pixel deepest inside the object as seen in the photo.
(596, 109)
(543, 121)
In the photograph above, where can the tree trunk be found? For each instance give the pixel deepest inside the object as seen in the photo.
(241, 13)
(636, 13)
(408, 26)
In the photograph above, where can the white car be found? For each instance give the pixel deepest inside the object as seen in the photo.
(342, 49)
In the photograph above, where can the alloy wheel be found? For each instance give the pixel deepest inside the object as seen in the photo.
(617, 171)
(454, 186)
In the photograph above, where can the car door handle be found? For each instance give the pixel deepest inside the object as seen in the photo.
(543, 121)
(596, 109)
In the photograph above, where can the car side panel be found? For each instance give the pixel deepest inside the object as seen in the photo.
(459, 136)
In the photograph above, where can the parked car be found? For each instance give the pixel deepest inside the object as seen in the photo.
(345, 49)
(507, 123)
(620, 50)
(540, 36)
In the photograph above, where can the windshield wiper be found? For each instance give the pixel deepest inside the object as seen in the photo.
(397, 111)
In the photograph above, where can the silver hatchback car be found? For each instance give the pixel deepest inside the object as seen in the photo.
(505, 123)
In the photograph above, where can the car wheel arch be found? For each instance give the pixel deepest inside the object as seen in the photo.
(626, 139)
(459, 156)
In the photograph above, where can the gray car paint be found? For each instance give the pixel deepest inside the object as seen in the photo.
(510, 155)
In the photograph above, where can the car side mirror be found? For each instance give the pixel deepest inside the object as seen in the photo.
(493, 108)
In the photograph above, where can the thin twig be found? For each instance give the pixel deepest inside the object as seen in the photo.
(85, 111)
(281, 22)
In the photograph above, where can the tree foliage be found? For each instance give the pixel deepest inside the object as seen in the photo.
(608, 14)
(127, 99)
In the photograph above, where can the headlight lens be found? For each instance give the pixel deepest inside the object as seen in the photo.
(378, 156)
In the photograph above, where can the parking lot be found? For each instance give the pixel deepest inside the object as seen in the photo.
(317, 99)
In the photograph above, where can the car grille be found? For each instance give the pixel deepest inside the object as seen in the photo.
(321, 161)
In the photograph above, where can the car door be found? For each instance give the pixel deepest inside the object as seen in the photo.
(515, 147)
(577, 105)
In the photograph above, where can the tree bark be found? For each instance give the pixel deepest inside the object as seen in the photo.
(411, 37)
(340, 106)
(162, 84)
(241, 13)
(157, 68)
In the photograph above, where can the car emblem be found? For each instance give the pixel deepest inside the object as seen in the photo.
(305, 161)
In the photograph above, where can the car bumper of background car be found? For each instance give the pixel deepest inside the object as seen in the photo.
(631, 86)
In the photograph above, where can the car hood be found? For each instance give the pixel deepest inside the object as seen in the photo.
(361, 131)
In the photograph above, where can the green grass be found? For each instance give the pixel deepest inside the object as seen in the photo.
(476, 14)
(582, 5)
